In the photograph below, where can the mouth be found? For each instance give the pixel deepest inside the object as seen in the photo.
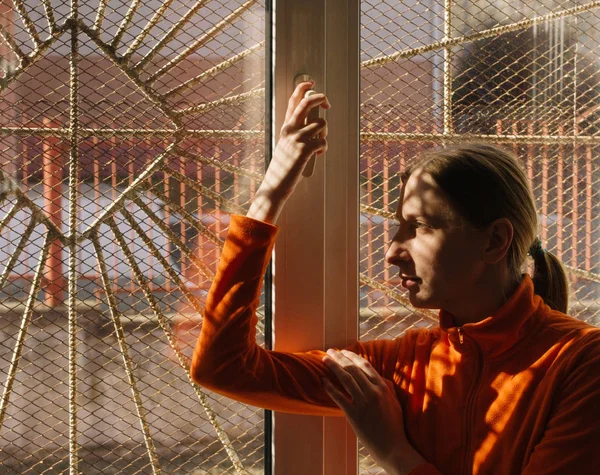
(409, 281)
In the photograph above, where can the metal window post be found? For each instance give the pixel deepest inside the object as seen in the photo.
(316, 257)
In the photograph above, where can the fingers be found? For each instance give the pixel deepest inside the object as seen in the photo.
(314, 133)
(337, 363)
(364, 365)
(318, 127)
(300, 114)
(318, 146)
(337, 396)
(314, 137)
(323, 136)
(298, 94)
(352, 362)
(355, 374)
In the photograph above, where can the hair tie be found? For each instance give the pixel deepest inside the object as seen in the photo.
(536, 250)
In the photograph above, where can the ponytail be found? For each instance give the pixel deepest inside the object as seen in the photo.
(549, 278)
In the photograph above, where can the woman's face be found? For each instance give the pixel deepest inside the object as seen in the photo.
(439, 256)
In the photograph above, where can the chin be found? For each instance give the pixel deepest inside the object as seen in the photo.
(419, 301)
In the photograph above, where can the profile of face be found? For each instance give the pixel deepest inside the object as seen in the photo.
(438, 254)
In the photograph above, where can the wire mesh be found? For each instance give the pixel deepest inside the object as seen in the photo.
(524, 75)
(128, 131)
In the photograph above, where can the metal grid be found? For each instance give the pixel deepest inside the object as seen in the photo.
(128, 130)
(525, 75)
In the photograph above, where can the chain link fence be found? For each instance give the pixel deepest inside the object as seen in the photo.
(523, 75)
(128, 131)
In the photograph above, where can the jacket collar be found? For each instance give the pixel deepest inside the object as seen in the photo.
(499, 332)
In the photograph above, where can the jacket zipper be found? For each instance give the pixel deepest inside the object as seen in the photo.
(468, 469)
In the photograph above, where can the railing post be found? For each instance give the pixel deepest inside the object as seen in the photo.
(52, 178)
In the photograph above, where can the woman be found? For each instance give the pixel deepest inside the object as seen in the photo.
(506, 384)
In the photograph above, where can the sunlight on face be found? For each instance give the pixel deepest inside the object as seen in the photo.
(437, 252)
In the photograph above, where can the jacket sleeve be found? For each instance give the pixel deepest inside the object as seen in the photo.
(227, 359)
(571, 441)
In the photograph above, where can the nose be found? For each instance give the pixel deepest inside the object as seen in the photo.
(397, 251)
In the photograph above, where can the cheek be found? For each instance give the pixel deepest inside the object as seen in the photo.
(427, 252)
(442, 252)
(459, 258)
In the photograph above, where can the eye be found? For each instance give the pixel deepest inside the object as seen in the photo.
(412, 223)
(421, 225)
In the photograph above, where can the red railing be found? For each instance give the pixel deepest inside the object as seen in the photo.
(562, 177)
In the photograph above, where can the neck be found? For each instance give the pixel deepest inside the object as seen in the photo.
(488, 293)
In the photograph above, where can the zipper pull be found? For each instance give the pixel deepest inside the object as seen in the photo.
(460, 335)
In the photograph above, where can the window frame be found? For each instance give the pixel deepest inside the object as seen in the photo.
(316, 255)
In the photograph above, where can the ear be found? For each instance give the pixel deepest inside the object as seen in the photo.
(500, 236)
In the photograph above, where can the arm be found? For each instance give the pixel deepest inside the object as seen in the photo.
(572, 437)
(297, 143)
(226, 358)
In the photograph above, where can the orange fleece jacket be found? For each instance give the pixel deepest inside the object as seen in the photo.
(517, 393)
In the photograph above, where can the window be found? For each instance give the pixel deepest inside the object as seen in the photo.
(130, 130)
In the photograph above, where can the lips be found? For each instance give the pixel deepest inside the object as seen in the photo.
(409, 281)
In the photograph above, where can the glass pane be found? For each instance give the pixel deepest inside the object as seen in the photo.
(128, 132)
(533, 88)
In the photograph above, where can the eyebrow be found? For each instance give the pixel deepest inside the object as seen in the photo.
(416, 216)
(411, 216)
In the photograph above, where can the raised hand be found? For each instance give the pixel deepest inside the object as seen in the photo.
(373, 411)
(298, 140)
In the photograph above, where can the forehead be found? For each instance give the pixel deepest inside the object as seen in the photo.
(421, 196)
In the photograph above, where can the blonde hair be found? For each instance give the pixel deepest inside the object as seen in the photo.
(484, 183)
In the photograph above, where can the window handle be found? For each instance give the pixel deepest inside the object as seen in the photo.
(315, 113)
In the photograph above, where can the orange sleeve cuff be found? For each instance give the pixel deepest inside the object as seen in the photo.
(258, 230)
